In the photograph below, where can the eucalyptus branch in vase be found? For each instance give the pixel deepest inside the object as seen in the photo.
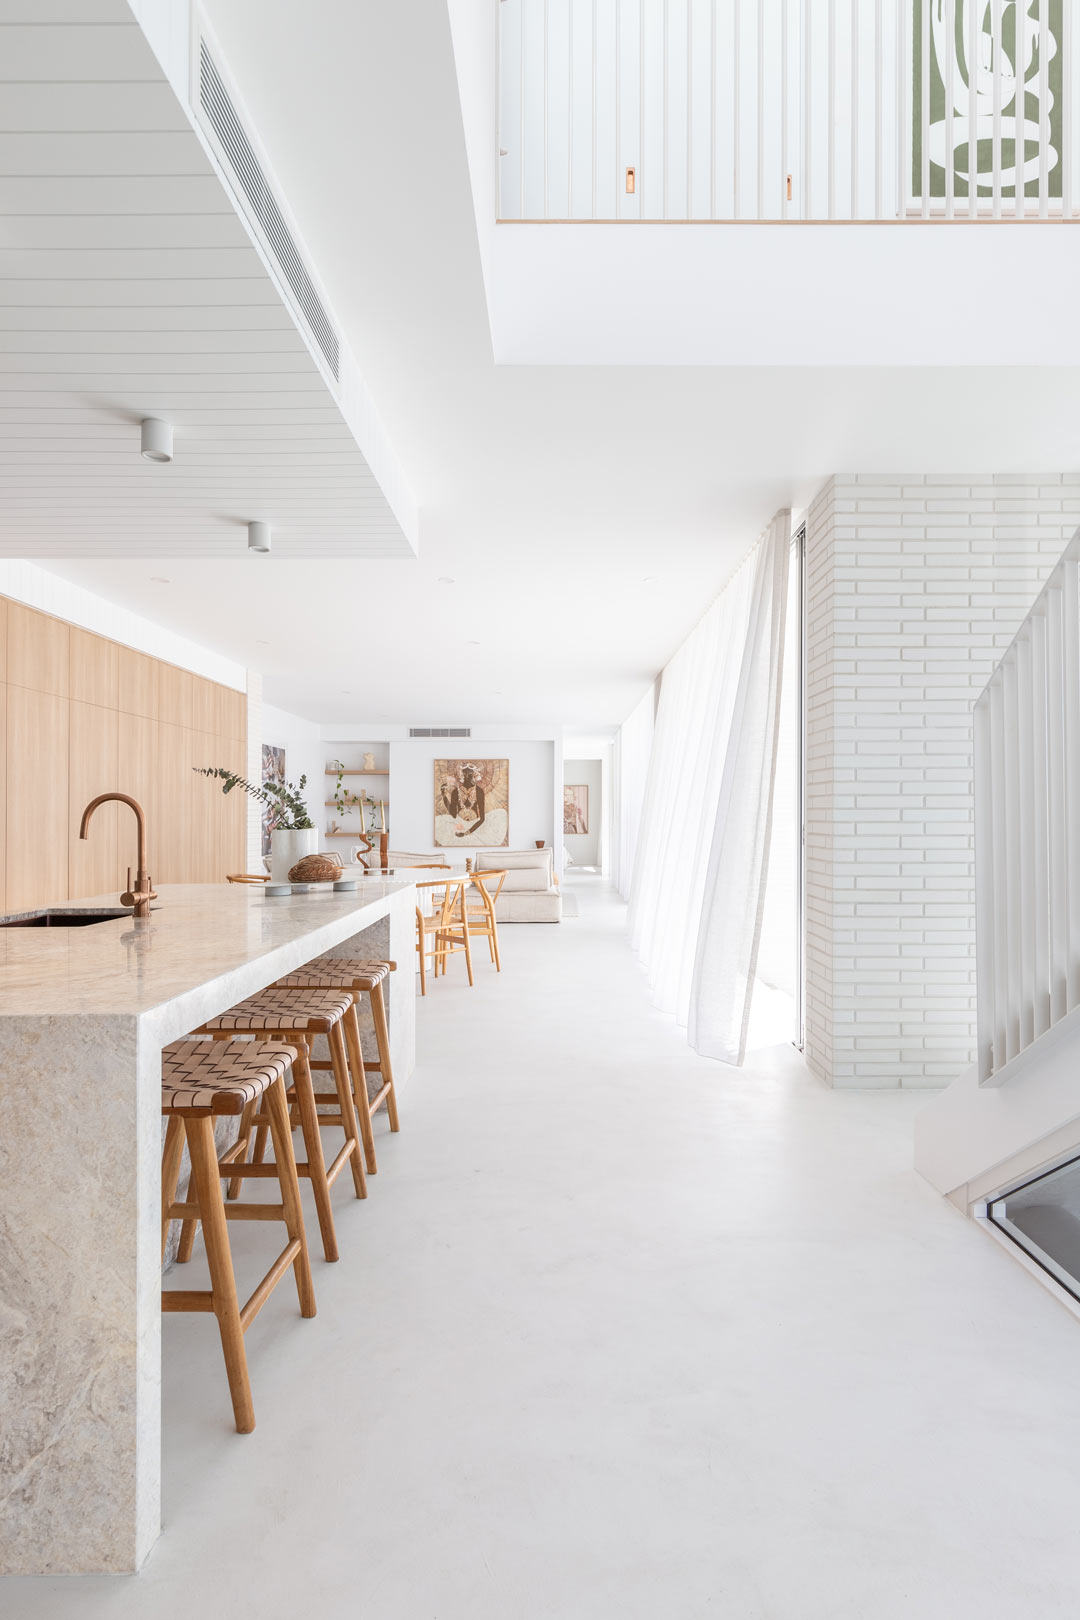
(284, 800)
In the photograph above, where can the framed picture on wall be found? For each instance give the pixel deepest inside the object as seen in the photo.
(472, 802)
(575, 807)
(273, 770)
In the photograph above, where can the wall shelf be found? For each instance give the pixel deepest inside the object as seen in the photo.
(358, 773)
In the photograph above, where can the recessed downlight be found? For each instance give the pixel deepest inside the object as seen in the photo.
(156, 439)
(159, 579)
(444, 579)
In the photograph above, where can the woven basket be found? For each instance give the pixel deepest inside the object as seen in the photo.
(316, 869)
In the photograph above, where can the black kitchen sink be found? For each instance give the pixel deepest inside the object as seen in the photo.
(55, 918)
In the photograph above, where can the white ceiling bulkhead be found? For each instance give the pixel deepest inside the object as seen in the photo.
(130, 288)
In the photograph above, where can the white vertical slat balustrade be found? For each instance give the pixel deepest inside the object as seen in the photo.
(817, 109)
(1027, 829)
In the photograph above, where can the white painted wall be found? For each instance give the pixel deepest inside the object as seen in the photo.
(412, 787)
(535, 754)
(305, 755)
(584, 848)
(916, 585)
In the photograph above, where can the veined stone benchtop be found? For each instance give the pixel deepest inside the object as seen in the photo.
(84, 1013)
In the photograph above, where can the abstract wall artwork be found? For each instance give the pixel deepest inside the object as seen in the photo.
(575, 807)
(472, 802)
(273, 770)
(953, 64)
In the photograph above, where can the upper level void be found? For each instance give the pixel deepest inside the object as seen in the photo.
(802, 110)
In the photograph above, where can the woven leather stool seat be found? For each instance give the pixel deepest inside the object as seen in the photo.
(332, 972)
(303, 1009)
(361, 976)
(219, 1077)
(295, 1017)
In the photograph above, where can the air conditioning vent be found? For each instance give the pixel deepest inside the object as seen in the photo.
(440, 731)
(233, 144)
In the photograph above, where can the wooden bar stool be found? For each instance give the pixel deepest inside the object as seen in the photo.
(359, 978)
(201, 1080)
(295, 1016)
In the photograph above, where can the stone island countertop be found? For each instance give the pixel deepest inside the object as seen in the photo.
(84, 1013)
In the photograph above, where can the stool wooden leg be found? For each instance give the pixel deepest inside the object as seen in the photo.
(188, 1228)
(420, 944)
(281, 1130)
(171, 1156)
(382, 1041)
(304, 1092)
(363, 1106)
(339, 1060)
(205, 1174)
(243, 1135)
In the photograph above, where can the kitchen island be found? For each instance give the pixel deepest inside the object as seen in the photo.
(84, 1014)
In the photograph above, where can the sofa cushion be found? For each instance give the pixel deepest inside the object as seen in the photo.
(527, 870)
(537, 906)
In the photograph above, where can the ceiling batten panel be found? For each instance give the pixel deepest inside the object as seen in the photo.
(131, 285)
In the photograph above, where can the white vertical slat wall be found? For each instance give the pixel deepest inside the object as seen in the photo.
(786, 109)
(1027, 827)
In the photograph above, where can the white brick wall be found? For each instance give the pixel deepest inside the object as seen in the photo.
(915, 586)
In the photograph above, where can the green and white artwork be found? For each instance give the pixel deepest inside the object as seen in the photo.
(1021, 115)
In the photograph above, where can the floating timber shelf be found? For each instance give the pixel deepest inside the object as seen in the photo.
(358, 773)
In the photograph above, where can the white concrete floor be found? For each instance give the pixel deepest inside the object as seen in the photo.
(623, 1333)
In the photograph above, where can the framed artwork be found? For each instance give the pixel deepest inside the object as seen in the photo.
(472, 802)
(273, 770)
(1022, 124)
(575, 807)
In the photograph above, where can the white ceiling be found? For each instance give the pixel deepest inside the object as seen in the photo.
(130, 288)
(586, 514)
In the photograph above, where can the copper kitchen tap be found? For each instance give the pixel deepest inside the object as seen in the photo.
(141, 895)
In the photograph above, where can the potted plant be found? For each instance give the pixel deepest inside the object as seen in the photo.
(293, 833)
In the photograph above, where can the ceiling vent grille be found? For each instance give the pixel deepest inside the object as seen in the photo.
(440, 731)
(216, 103)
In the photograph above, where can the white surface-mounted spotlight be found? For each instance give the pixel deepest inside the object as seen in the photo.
(259, 536)
(156, 439)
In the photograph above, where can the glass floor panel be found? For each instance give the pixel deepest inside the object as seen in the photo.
(1042, 1216)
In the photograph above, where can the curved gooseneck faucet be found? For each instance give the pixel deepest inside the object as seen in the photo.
(142, 893)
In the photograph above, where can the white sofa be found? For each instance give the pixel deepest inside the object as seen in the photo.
(530, 892)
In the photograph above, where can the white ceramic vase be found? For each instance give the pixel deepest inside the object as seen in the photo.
(286, 848)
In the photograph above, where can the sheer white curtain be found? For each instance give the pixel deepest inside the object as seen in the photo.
(702, 847)
(629, 771)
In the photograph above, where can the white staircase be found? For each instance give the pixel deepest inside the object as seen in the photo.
(1017, 1111)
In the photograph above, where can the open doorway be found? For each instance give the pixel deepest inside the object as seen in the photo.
(584, 811)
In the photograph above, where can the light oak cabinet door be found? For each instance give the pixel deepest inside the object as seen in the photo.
(205, 708)
(233, 714)
(177, 790)
(94, 863)
(3, 794)
(234, 814)
(94, 667)
(37, 650)
(38, 832)
(138, 683)
(208, 818)
(175, 695)
(138, 775)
